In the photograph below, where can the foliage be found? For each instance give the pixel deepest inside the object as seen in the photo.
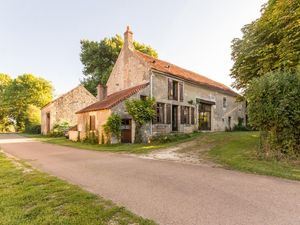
(274, 108)
(6, 123)
(59, 129)
(113, 126)
(91, 138)
(33, 120)
(268, 43)
(169, 138)
(30, 197)
(142, 111)
(25, 90)
(98, 59)
(240, 126)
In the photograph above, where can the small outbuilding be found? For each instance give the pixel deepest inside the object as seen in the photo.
(65, 107)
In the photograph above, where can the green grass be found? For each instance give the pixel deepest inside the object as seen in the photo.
(118, 148)
(238, 150)
(29, 197)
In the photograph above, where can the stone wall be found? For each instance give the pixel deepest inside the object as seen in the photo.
(128, 71)
(65, 107)
(191, 93)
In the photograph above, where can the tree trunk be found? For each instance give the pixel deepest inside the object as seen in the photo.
(138, 134)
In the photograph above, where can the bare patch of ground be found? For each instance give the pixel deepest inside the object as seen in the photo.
(188, 152)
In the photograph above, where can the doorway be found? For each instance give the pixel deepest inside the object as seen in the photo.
(174, 118)
(126, 131)
(48, 123)
(204, 116)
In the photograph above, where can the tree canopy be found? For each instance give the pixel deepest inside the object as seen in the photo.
(23, 91)
(98, 59)
(269, 43)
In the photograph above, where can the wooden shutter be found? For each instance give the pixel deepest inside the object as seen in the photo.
(170, 89)
(154, 119)
(182, 114)
(192, 115)
(168, 113)
(92, 123)
(181, 91)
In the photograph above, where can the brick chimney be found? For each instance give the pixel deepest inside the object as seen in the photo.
(128, 39)
(101, 92)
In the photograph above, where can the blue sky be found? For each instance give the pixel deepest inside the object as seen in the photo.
(43, 37)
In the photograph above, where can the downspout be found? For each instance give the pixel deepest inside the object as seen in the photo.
(151, 95)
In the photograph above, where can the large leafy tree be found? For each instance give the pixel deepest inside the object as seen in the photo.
(269, 43)
(23, 91)
(98, 59)
(5, 82)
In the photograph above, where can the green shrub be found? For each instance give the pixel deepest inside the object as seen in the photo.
(113, 126)
(274, 109)
(59, 129)
(91, 138)
(240, 126)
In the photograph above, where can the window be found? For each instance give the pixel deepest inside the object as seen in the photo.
(160, 112)
(143, 97)
(185, 115)
(192, 115)
(224, 102)
(92, 123)
(181, 91)
(168, 106)
(172, 89)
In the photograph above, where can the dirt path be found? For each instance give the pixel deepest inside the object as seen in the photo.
(167, 192)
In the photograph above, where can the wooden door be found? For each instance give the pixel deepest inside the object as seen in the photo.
(126, 131)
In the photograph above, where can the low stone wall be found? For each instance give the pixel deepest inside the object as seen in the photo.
(73, 135)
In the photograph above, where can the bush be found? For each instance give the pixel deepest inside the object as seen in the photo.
(33, 120)
(33, 129)
(113, 126)
(59, 129)
(274, 109)
(92, 138)
(240, 126)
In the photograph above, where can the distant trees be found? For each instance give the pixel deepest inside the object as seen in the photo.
(269, 43)
(22, 97)
(98, 59)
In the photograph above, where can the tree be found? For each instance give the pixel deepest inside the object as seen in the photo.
(269, 43)
(5, 122)
(98, 59)
(142, 111)
(26, 90)
(274, 108)
(33, 119)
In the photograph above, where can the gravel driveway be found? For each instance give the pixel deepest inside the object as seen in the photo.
(165, 191)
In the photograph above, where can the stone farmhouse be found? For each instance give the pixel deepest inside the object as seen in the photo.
(186, 101)
(64, 108)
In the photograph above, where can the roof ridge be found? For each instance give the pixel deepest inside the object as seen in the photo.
(210, 82)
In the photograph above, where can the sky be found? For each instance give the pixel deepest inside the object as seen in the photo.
(43, 37)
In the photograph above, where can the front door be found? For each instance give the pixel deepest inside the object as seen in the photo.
(174, 118)
(126, 131)
(204, 116)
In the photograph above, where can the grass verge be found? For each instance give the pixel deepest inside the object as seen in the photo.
(30, 197)
(119, 148)
(238, 150)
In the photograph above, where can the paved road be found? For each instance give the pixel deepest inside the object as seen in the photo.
(168, 192)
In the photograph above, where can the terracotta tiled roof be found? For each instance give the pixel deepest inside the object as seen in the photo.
(179, 72)
(114, 99)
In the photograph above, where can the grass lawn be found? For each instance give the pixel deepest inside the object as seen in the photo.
(28, 196)
(237, 150)
(120, 148)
